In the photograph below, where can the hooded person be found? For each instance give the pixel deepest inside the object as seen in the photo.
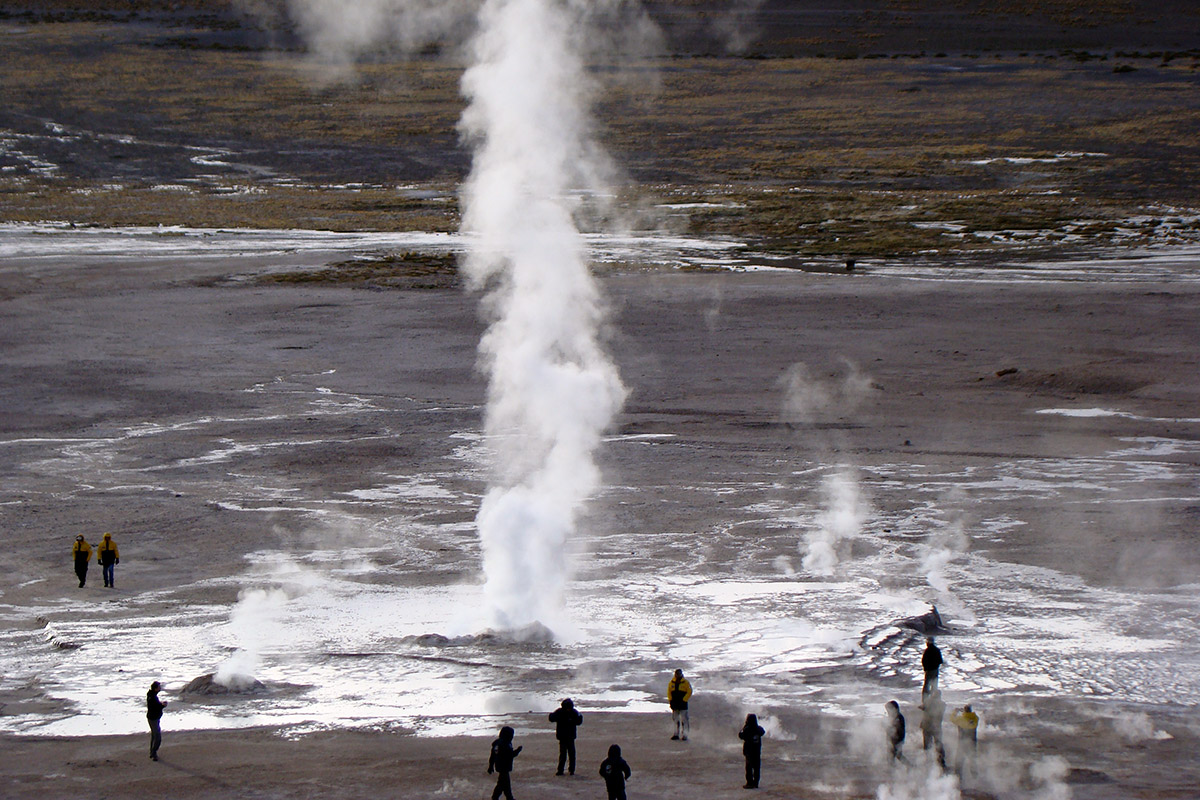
(108, 556)
(615, 771)
(566, 719)
(896, 730)
(501, 762)
(679, 691)
(82, 553)
(751, 735)
(154, 712)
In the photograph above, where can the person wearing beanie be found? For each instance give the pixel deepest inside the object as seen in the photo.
(154, 712)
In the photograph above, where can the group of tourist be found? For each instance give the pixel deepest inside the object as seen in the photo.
(615, 770)
(107, 556)
(933, 710)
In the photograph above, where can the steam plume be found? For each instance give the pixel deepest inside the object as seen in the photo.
(552, 389)
(255, 622)
(840, 521)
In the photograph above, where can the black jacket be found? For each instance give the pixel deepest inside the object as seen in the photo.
(154, 706)
(615, 770)
(751, 739)
(502, 755)
(565, 720)
(931, 659)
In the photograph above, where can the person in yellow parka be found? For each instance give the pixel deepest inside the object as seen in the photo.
(679, 691)
(108, 556)
(967, 722)
(83, 554)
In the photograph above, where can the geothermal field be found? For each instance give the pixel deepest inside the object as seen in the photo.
(432, 363)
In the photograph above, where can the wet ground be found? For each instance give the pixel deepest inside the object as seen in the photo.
(292, 475)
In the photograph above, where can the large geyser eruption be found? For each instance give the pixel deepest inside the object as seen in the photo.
(552, 389)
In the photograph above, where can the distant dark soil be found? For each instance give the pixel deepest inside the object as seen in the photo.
(863, 129)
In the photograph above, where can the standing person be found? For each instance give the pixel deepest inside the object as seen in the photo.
(82, 551)
(895, 730)
(932, 711)
(931, 662)
(751, 735)
(501, 762)
(154, 712)
(108, 555)
(967, 722)
(679, 691)
(566, 719)
(615, 770)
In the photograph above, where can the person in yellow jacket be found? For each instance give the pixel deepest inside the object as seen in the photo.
(108, 556)
(82, 551)
(967, 722)
(679, 691)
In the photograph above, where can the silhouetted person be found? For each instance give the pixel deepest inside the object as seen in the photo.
(501, 762)
(967, 722)
(932, 711)
(931, 662)
(154, 712)
(566, 719)
(614, 770)
(108, 555)
(751, 735)
(82, 551)
(679, 691)
(895, 730)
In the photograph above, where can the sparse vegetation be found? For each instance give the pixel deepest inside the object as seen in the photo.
(805, 156)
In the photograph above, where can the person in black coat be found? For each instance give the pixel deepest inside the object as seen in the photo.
(931, 662)
(896, 730)
(566, 719)
(615, 770)
(751, 735)
(501, 762)
(154, 712)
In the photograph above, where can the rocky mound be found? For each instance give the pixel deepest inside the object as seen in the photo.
(207, 685)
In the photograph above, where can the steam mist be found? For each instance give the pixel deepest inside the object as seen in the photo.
(552, 388)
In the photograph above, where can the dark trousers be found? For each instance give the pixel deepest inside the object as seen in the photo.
(81, 572)
(155, 737)
(753, 768)
(616, 791)
(566, 755)
(933, 739)
(503, 786)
